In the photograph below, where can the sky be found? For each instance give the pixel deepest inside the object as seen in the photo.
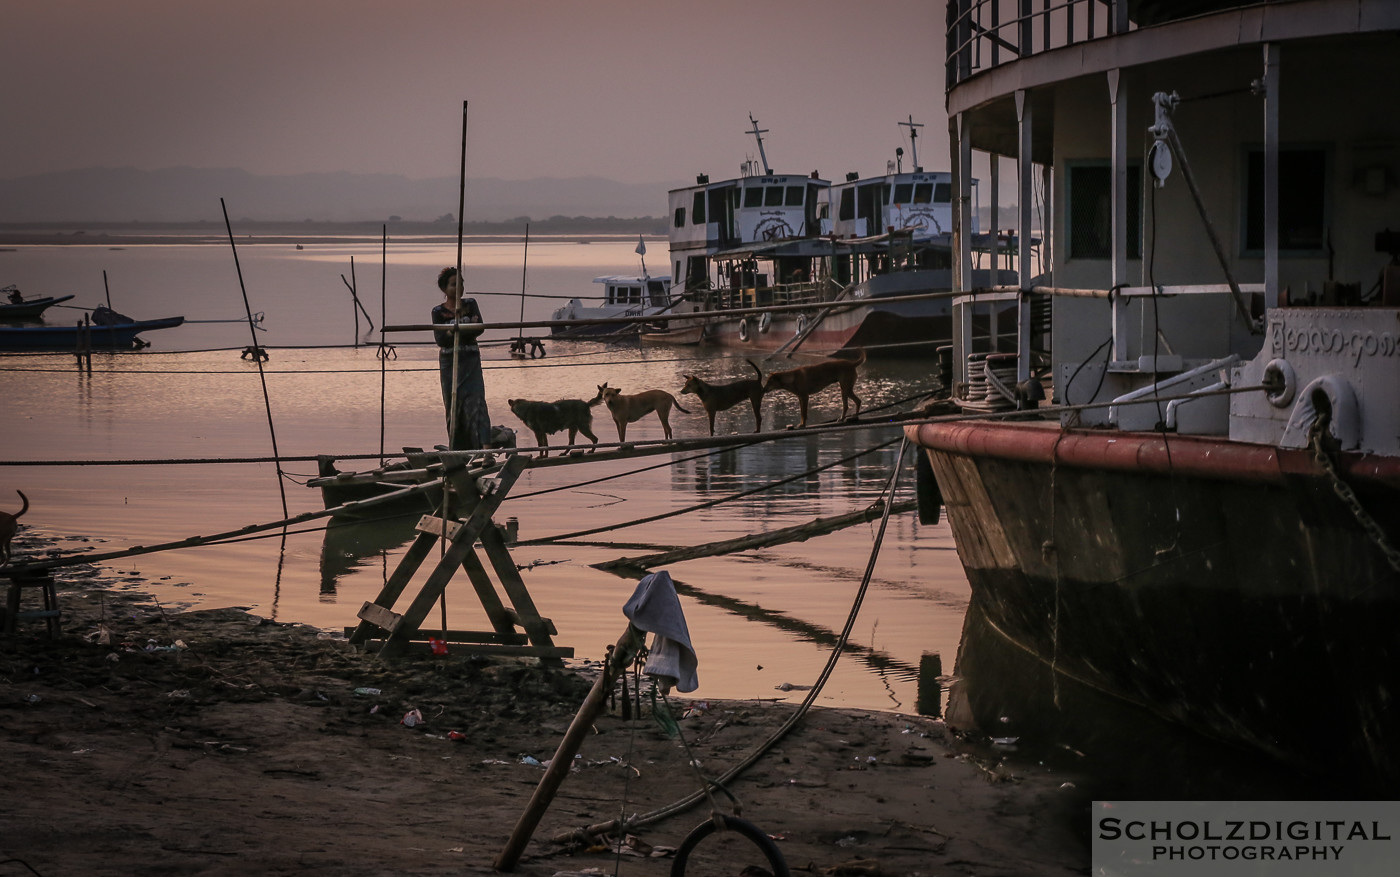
(638, 92)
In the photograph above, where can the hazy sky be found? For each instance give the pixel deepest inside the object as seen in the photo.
(634, 91)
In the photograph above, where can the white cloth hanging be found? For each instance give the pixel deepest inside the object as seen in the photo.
(655, 608)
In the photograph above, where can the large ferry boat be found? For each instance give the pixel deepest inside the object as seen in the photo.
(1202, 519)
(794, 263)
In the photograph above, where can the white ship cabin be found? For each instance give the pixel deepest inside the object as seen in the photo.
(756, 208)
(635, 290)
(919, 201)
(1220, 180)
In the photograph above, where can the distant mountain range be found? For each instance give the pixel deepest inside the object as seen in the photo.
(179, 195)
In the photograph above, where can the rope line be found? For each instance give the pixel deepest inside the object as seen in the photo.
(752, 758)
(545, 540)
(654, 445)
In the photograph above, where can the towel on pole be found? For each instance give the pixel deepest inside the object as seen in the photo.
(655, 608)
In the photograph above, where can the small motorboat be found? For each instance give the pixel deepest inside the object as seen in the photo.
(16, 307)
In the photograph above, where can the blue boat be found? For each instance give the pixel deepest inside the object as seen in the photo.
(96, 336)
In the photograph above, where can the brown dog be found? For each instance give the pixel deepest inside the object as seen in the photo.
(722, 397)
(631, 408)
(805, 380)
(9, 526)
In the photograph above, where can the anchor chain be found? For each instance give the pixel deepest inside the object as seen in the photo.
(1348, 496)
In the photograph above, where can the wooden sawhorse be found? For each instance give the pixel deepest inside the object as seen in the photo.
(476, 497)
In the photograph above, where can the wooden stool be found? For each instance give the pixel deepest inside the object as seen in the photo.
(49, 613)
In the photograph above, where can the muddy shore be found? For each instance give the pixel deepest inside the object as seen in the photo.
(153, 741)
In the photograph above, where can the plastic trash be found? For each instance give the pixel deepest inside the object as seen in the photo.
(368, 692)
(412, 719)
(438, 646)
(530, 760)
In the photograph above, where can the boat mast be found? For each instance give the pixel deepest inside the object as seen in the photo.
(913, 140)
(758, 135)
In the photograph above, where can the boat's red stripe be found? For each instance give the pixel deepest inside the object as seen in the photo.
(1199, 456)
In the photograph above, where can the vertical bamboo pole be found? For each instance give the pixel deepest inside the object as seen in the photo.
(622, 657)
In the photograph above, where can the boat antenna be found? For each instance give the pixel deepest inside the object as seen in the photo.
(107, 289)
(758, 135)
(913, 140)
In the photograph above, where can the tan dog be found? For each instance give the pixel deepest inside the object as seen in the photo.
(9, 526)
(805, 380)
(722, 397)
(631, 408)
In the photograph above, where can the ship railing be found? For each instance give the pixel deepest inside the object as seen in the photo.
(797, 292)
(1031, 324)
(983, 34)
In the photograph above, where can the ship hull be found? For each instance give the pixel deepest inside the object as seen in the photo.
(1222, 586)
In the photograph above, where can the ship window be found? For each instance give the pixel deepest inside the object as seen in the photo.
(657, 291)
(793, 196)
(632, 294)
(923, 193)
(1302, 201)
(848, 205)
(680, 217)
(1091, 211)
(773, 196)
(903, 193)
(943, 193)
(697, 209)
(753, 197)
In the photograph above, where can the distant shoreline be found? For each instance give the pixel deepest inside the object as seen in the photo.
(14, 234)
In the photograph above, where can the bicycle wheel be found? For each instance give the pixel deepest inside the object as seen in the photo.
(749, 846)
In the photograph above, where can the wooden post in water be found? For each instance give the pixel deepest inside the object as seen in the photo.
(621, 659)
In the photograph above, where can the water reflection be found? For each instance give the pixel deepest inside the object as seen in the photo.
(347, 547)
(852, 464)
(1114, 750)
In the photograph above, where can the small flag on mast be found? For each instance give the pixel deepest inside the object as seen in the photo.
(641, 246)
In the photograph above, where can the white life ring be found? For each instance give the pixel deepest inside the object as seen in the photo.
(765, 323)
(744, 329)
(801, 324)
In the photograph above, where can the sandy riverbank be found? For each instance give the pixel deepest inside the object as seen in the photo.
(146, 740)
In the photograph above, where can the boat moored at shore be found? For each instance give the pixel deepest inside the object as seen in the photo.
(1205, 524)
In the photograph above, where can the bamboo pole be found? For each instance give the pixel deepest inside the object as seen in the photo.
(622, 656)
(798, 533)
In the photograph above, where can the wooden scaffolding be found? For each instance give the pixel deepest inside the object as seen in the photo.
(517, 627)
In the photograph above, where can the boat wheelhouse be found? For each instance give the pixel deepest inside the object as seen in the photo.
(624, 295)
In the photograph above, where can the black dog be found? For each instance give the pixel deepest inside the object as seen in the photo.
(722, 397)
(9, 526)
(545, 418)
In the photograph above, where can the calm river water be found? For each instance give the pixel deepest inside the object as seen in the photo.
(759, 619)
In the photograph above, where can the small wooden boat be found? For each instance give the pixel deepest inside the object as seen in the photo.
(30, 309)
(113, 336)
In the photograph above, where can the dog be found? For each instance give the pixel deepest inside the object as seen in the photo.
(631, 408)
(545, 418)
(805, 380)
(722, 397)
(9, 526)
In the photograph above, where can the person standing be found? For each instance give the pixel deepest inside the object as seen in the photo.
(471, 427)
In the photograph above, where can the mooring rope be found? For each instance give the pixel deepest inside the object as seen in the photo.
(683, 804)
(545, 540)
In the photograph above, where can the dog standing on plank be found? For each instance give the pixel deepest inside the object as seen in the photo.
(627, 409)
(545, 418)
(805, 380)
(9, 526)
(722, 397)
